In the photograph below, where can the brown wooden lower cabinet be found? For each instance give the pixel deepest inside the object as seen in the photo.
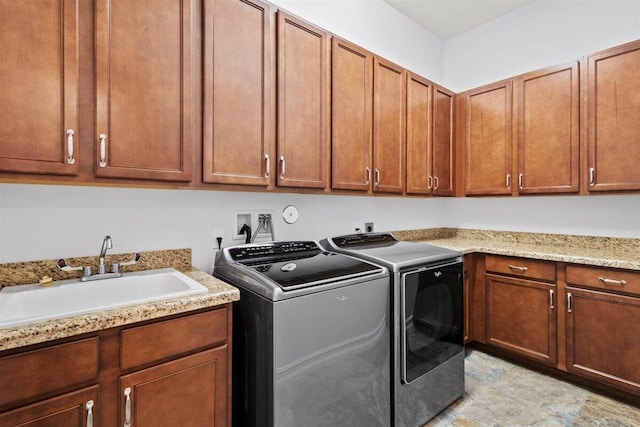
(78, 408)
(185, 382)
(602, 337)
(191, 391)
(521, 317)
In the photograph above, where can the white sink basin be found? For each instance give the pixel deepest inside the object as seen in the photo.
(24, 304)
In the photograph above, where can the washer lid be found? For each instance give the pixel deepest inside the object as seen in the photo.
(310, 269)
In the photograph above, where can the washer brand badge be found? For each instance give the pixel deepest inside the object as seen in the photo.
(290, 266)
(342, 299)
(438, 273)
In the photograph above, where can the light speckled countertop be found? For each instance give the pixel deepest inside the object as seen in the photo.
(597, 251)
(219, 293)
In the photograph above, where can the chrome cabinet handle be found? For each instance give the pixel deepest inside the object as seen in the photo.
(377, 181)
(592, 176)
(268, 166)
(508, 180)
(517, 268)
(127, 407)
(89, 407)
(612, 281)
(103, 150)
(283, 167)
(551, 299)
(520, 180)
(429, 182)
(569, 302)
(367, 175)
(70, 158)
(437, 182)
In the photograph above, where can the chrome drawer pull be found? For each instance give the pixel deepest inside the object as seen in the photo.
(127, 407)
(429, 182)
(592, 176)
(437, 183)
(283, 167)
(520, 180)
(268, 166)
(89, 407)
(508, 181)
(103, 150)
(367, 175)
(70, 158)
(569, 302)
(551, 298)
(377, 181)
(515, 267)
(612, 281)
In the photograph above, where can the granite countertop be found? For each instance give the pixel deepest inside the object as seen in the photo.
(219, 293)
(587, 250)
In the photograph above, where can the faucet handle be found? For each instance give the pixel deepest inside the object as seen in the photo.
(134, 260)
(115, 267)
(62, 265)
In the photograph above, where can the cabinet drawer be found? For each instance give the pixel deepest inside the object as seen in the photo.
(521, 267)
(38, 372)
(604, 278)
(171, 338)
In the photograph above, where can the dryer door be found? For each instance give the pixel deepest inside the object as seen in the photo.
(433, 312)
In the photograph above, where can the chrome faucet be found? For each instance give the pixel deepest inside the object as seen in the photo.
(87, 273)
(106, 244)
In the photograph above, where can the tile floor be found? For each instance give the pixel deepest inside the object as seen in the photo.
(499, 393)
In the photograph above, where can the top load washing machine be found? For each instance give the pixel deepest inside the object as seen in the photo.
(311, 336)
(428, 318)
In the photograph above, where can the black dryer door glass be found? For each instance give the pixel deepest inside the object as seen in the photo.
(432, 309)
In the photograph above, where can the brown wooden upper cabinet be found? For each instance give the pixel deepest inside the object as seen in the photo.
(488, 140)
(39, 87)
(389, 118)
(429, 137)
(238, 93)
(547, 108)
(351, 106)
(303, 103)
(144, 80)
(613, 104)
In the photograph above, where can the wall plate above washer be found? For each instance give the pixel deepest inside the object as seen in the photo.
(290, 214)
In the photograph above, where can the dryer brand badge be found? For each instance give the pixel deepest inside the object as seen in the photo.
(438, 273)
(342, 299)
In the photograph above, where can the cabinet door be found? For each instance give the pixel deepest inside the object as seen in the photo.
(78, 408)
(351, 75)
(419, 134)
(303, 103)
(613, 114)
(238, 139)
(521, 317)
(191, 391)
(488, 140)
(39, 87)
(443, 169)
(602, 337)
(548, 107)
(389, 118)
(144, 80)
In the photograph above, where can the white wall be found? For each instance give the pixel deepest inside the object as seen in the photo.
(601, 215)
(47, 221)
(542, 33)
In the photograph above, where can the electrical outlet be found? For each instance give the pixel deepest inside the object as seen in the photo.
(368, 227)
